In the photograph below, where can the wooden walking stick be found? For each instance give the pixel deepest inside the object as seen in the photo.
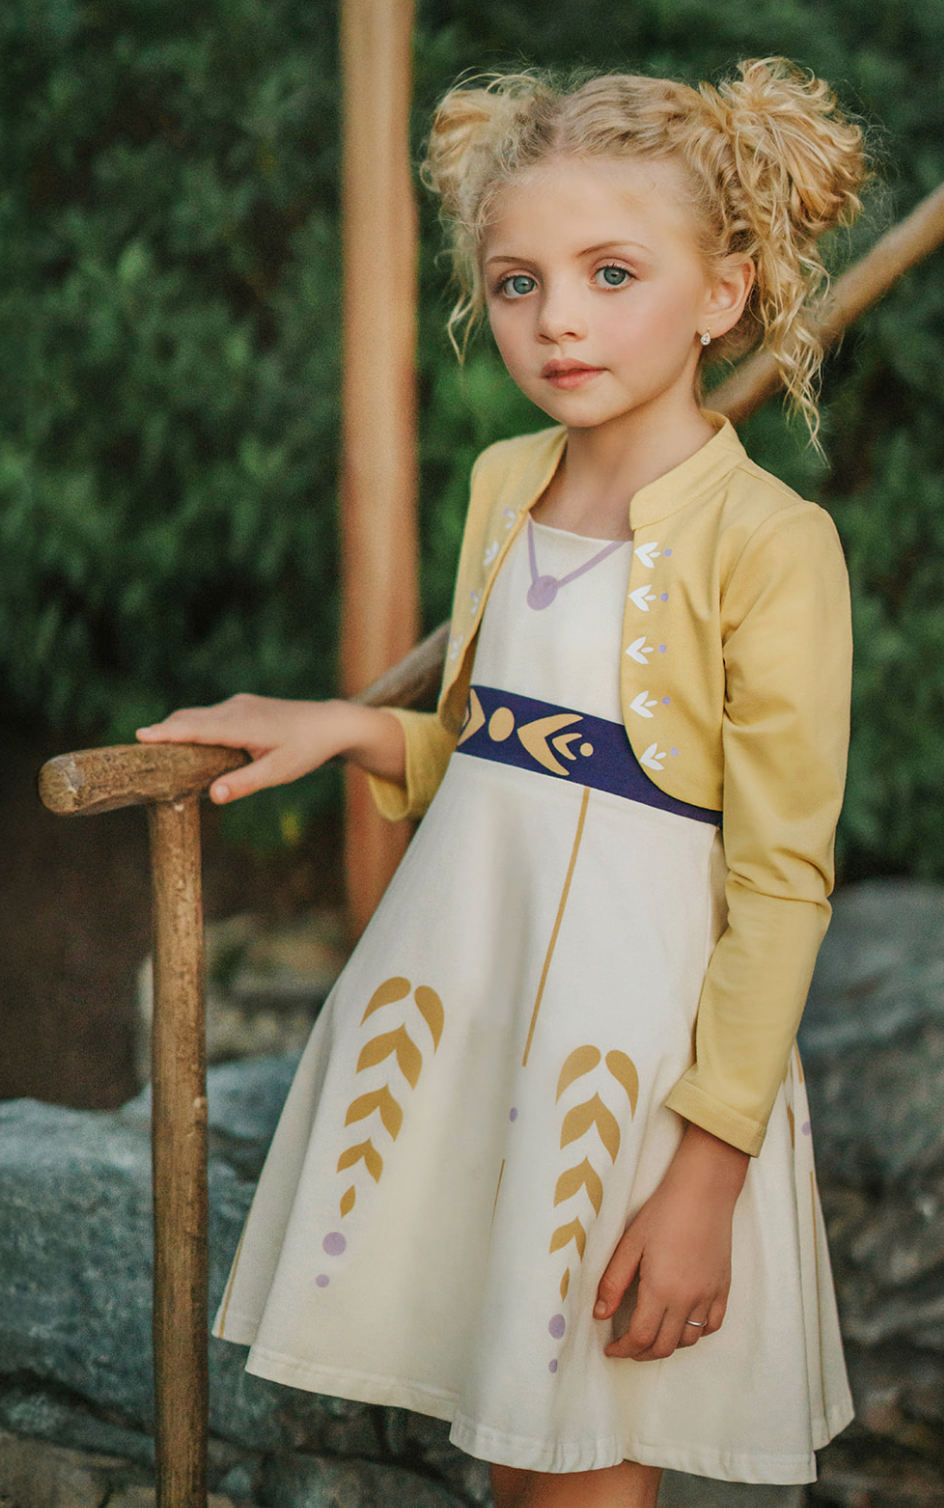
(168, 779)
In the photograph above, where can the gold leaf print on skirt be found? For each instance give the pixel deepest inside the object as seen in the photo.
(582, 1060)
(399, 1043)
(592, 1117)
(373, 1161)
(593, 1112)
(379, 1099)
(575, 1179)
(564, 1234)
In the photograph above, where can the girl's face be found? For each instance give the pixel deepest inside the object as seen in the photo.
(597, 293)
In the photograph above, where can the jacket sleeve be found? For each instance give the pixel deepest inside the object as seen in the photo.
(788, 656)
(428, 748)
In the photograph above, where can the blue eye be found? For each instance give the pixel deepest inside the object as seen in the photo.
(518, 286)
(612, 277)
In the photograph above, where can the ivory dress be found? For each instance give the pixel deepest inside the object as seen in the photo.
(480, 1106)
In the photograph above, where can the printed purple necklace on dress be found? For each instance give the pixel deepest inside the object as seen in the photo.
(544, 589)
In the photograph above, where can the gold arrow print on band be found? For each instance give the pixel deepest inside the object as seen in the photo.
(583, 1180)
(537, 737)
(396, 1044)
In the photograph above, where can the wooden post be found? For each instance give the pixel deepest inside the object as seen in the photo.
(379, 612)
(179, 1157)
(166, 779)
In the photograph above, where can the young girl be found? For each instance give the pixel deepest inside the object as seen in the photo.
(545, 1170)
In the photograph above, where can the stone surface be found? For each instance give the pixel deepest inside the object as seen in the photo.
(310, 1482)
(872, 1037)
(680, 1491)
(880, 971)
(37, 1475)
(265, 985)
(76, 1273)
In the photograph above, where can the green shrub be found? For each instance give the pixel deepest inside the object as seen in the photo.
(169, 360)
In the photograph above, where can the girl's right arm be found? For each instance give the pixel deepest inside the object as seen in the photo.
(287, 739)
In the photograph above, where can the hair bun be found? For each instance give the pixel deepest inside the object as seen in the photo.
(784, 127)
(467, 136)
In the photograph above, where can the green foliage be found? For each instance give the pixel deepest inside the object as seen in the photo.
(169, 359)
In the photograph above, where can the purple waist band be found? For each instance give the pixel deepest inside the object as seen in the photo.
(564, 745)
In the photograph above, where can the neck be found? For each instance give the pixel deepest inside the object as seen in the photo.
(606, 465)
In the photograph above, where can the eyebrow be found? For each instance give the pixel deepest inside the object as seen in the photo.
(588, 251)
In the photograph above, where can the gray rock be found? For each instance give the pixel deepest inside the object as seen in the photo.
(880, 971)
(680, 1491)
(75, 1285)
(36, 1475)
(878, 1110)
(43, 1414)
(307, 1482)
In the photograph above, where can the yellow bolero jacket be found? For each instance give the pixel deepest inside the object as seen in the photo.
(735, 674)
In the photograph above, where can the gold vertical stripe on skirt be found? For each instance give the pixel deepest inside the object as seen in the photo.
(557, 922)
(229, 1286)
(819, 1328)
(501, 1174)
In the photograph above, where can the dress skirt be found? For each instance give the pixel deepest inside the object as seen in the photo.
(480, 1108)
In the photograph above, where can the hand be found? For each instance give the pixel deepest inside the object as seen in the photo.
(286, 739)
(679, 1247)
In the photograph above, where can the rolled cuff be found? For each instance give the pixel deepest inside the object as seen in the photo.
(728, 1125)
(428, 747)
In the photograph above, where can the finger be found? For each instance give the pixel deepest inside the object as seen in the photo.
(643, 1332)
(248, 779)
(716, 1315)
(189, 725)
(692, 1331)
(620, 1271)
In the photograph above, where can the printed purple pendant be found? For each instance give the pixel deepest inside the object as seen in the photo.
(542, 591)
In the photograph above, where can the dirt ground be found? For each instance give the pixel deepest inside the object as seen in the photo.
(74, 924)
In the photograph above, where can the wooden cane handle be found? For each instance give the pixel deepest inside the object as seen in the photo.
(100, 780)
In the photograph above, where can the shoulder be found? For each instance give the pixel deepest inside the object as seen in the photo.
(763, 520)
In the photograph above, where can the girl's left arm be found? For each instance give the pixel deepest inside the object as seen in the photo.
(785, 624)
(787, 647)
(679, 1248)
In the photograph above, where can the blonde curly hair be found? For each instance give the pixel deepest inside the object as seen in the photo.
(770, 160)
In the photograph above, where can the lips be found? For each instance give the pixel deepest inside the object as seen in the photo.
(569, 374)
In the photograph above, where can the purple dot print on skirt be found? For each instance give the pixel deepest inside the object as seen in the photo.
(334, 1243)
(322, 1280)
(557, 1326)
(552, 1366)
(513, 1114)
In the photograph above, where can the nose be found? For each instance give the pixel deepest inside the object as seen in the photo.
(561, 316)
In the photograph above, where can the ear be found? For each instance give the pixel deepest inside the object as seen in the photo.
(728, 292)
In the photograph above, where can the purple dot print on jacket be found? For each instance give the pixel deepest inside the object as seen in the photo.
(322, 1280)
(557, 1326)
(552, 1365)
(513, 1113)
(334, 1243)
